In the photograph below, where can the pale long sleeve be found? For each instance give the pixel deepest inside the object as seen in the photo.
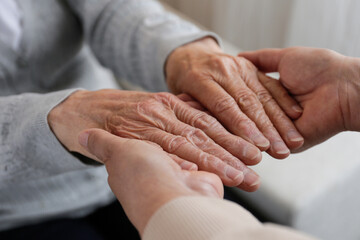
(134, 37)
(202, 218)
(28, 148)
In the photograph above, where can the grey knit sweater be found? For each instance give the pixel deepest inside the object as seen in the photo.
(63, 43)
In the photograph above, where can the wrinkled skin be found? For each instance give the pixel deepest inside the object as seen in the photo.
(164, 120)
(143, 177)
(228, 87)
(325, 83)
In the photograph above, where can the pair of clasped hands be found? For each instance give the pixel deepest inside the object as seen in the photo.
(225, 111)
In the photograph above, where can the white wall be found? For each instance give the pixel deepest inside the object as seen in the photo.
(253, 24)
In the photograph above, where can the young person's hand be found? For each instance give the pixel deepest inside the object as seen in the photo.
(144, 177)
(325, 83)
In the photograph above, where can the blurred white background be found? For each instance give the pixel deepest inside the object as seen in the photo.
(254, 24)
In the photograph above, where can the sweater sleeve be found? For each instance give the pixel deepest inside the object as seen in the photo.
(134, 37)
(202, 218)
(28, 148)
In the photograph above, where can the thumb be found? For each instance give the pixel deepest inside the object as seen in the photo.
(266, 60)
(102, 144)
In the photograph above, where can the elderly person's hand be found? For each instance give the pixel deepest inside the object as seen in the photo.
(325, 83)
(228, 87)
(163, 119)
(143, 177)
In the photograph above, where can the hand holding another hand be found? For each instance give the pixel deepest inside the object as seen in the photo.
(228, 87)
(143, 177)
(325, 83)
(187, 134)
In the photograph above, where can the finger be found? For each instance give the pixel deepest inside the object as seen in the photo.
(185, 97)
(198, 138)
(266, 60)
(196, 105)
(251, 181)
(181, 147)
(243, 150)
(281, 95)
(244, 92)
(102, 144)
(191, 101)
(227, 111)
(185, 165)
(283, 130)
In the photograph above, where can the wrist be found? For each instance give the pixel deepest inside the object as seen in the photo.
(66, 121)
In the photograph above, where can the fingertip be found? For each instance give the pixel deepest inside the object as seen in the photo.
(261, 142)
(251, 181)
(296, 145)
(294, 139)
(234, 176)
(251, 155)
(297, 109)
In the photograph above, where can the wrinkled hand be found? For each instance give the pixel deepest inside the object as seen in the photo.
(228, 87)
(143, 177)
(325, 83)
(164, 120)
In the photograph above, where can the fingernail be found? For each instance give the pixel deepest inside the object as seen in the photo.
(83, 139)
(297, 108)
(234, 174)
(255, 155)
(294, 136)
(251, 179)
(252, 153)
(280, 148)
(261, 141)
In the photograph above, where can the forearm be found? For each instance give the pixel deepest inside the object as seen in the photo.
(134, 38)
(28, 147)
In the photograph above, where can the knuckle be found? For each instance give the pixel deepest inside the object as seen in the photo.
(202, 140)
(280, 117)
(174, 143)
(203, 121)
(227, 65)
(204, 160)
(247, 99)
(245, 125)
(264, 97)
(224, 104)
(198, 137)
(243, 63)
